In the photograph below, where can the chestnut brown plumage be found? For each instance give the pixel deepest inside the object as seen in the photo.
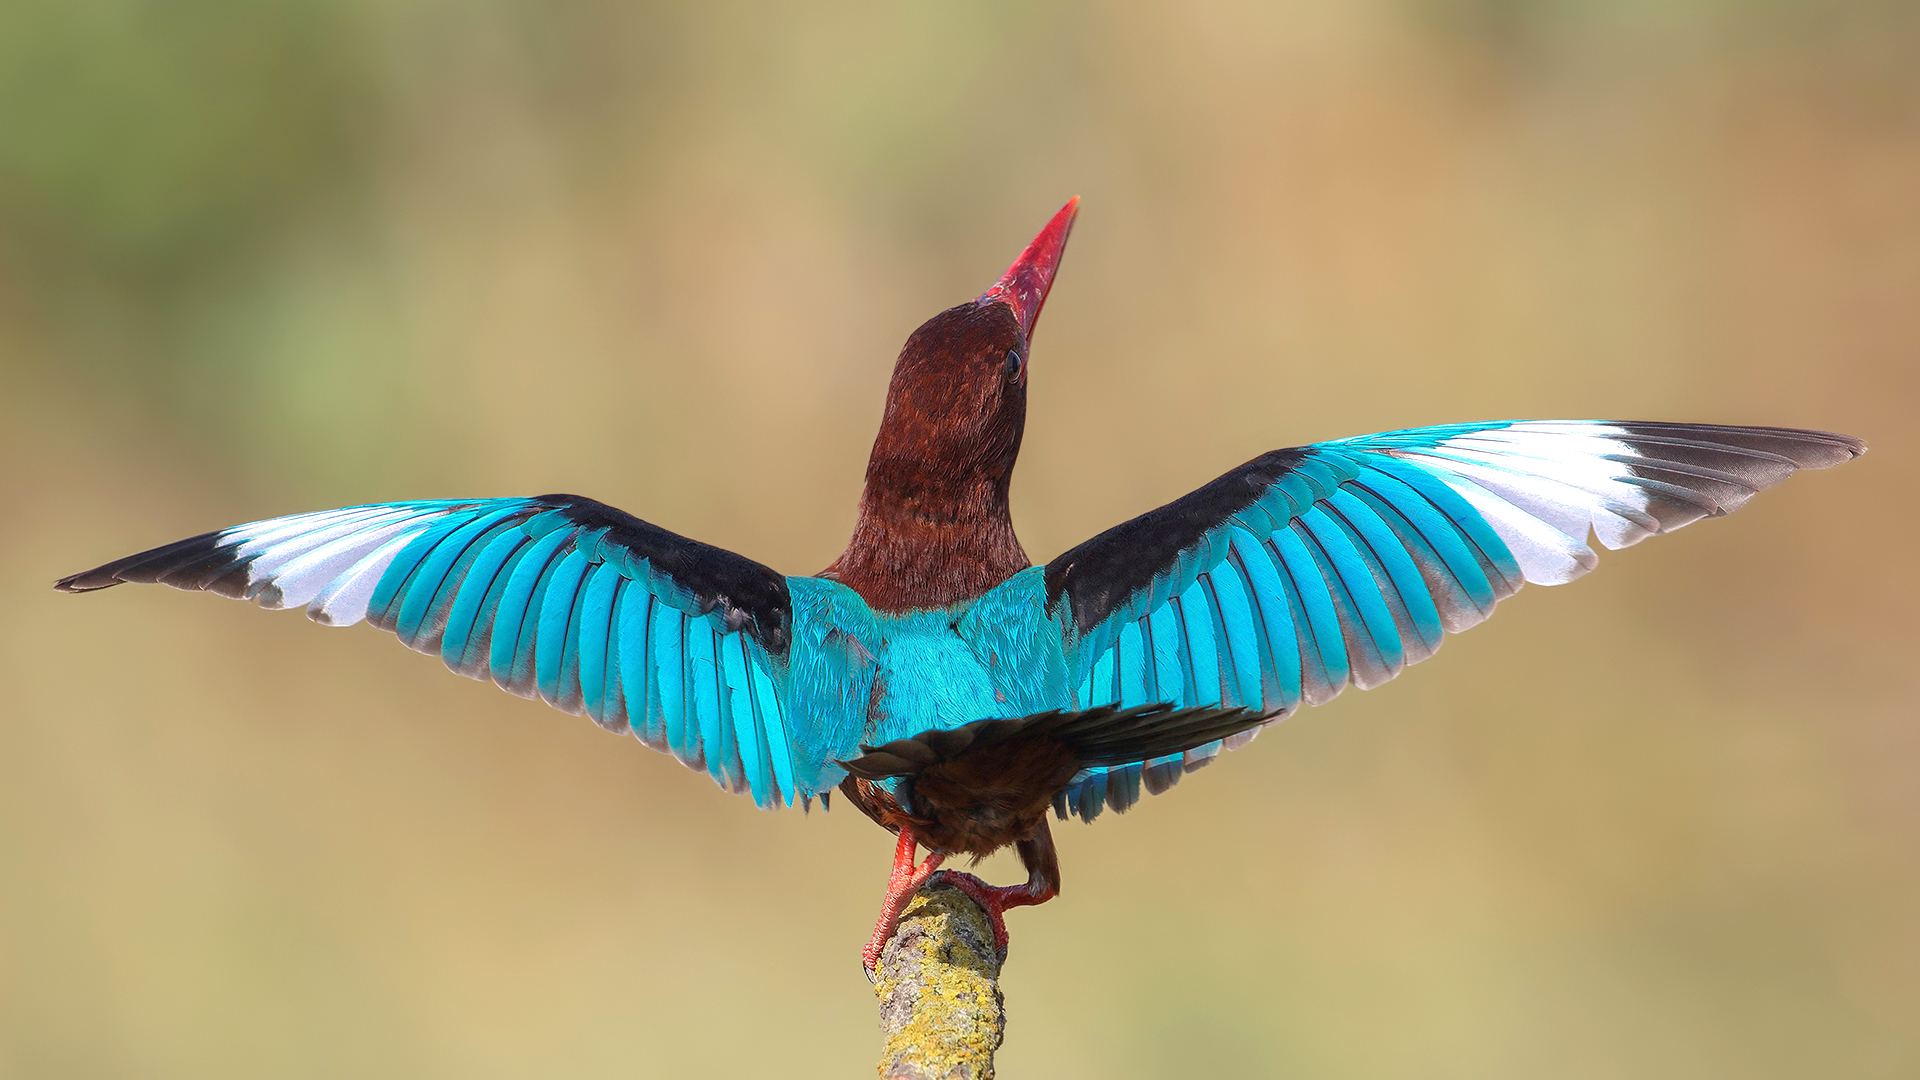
(934, 526)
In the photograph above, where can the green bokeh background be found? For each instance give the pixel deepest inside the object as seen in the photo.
(263, 256)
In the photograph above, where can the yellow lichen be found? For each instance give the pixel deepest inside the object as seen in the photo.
(940, 1003)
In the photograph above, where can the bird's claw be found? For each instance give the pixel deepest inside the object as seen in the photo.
(993, 899)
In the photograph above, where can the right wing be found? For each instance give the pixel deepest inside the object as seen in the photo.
(1309, 569)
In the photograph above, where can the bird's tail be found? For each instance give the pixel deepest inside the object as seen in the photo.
(1104, 736)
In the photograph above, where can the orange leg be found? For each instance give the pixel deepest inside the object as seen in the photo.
(906, 880)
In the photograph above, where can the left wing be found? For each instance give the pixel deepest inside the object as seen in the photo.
(558, 597)
(1309, 569)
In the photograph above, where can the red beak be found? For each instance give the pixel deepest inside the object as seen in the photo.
(1024, 286)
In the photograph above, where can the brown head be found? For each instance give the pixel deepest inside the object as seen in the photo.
(934, 525)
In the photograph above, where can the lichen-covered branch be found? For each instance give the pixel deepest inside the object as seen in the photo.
(939, 991)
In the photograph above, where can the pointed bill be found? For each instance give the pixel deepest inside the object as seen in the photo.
(1024, 286)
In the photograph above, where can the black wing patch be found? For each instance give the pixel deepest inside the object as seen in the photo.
(749, 596)
(1102, 575)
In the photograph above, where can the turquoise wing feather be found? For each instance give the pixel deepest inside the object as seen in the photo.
(1339, 564)
(558, 598)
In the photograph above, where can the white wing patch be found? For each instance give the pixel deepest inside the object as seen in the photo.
(328, 562)
(1546, 485)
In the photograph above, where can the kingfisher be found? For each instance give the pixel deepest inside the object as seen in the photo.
(953, 691)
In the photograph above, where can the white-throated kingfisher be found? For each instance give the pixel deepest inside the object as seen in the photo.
(952, 691)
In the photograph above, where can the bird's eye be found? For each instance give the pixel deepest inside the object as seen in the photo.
(1013, 361)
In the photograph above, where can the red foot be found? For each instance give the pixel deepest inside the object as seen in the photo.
(906, 880)
(995, 900)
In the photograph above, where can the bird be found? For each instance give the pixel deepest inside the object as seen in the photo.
(950, 689)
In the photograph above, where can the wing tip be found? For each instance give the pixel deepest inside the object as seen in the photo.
(82, 582)
(1806, 448)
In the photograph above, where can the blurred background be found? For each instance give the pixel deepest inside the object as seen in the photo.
(257, 258)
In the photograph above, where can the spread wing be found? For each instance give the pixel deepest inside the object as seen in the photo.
(558, 597)
(1340, 563)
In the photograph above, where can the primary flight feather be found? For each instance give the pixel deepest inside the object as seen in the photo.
(950, 689)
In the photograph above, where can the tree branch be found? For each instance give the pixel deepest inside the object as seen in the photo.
(938, 985)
